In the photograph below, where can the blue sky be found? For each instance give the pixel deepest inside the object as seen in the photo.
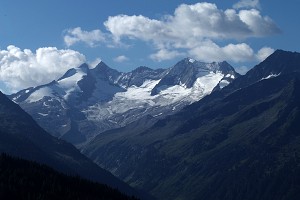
(40, 40)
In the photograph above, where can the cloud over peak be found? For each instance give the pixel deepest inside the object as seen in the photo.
(20, 69)
(121, 58)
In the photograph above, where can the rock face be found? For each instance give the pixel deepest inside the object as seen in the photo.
(240, 142)
(85, 102)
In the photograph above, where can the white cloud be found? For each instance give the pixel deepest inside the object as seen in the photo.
(76, 35)
(164, 54)
(201, 20)
(20, 69)
(247, 4)
(133, 26)
(209, 51)
(193, 26)
(263, 53)
(241, 70)
(94, 63)
(121, 58)
(261, 26)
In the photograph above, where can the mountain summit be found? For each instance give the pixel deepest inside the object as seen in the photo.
(186, 72)
(85, 102)
(279, 63)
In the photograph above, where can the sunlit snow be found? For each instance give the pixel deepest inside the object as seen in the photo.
(270, 76)
(191, 60)
(43, 114)
(139, 97)
(223, 83)
(69, 84)
(40, 94)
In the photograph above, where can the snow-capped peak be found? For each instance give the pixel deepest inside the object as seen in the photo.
(111, 98)
(73, 71)
(70, 83)
(191, 60)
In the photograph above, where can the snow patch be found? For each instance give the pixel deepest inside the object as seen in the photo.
(139, 93)
(15, 98)
(39, 94)
(191, 60)
(204, 85)
(42, 114)
(270, 76)
(173, 94)
(223, 83)
(157, 115)
(140, 97)
(69, 84)
(230, 76)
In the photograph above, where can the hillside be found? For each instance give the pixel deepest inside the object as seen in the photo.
(20, 136)
(241, 142)
(21, 179)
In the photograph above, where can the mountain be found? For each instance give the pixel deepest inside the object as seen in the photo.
(187, 71)
(21, 136)
(278, 63)
(85, 102)
(239, 142)
(22, 179)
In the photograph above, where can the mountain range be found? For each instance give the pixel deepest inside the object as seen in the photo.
(20, 136)
(193, 131)
(85, 102)
(240, 142)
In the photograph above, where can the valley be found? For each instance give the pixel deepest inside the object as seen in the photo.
(246, 129)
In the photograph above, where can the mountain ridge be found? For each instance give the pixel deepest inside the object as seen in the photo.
(85, 102)
(21, 136)
(240, 142)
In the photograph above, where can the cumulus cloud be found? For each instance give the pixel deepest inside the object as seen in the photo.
(209, 51)
(247, 4)
(261, 26)
(192, 26)
(201, 20)
(94, 63)
(20, 69)
(76, 35)
(263, 53)
(121, 58)
(164, 54)
(242, 69)
(133, 26)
